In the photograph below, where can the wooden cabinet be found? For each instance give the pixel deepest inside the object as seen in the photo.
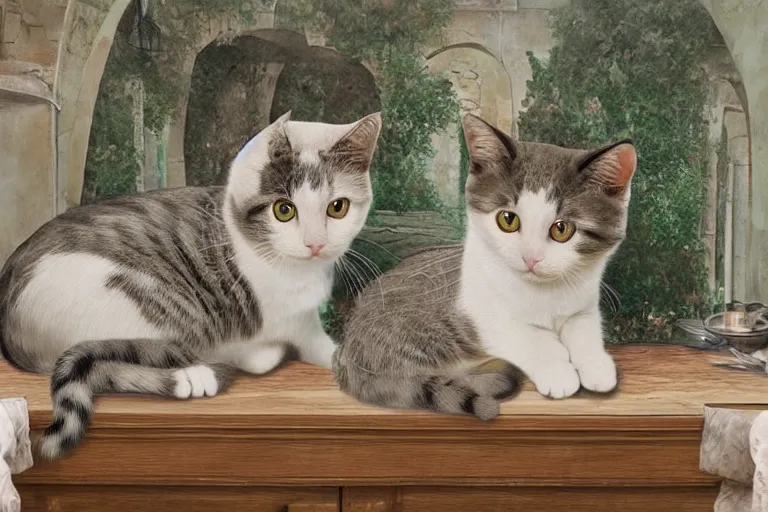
(111, 498)
(292, 442)
(516, 499)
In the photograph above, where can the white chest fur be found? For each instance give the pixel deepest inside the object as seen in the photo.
(287, 294)
(492, 293)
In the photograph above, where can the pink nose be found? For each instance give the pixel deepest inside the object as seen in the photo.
(316, 248)
(531, 262)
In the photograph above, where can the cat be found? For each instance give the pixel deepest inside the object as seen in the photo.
(168, 292)
(454, 329)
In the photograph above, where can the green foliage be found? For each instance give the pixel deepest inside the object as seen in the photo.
(463, 163)
(370, 29)
(415, 104)
(111, 166)
(622, 68)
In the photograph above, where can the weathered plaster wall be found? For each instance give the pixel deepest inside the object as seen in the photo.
(483, 53)
(743, 26)
(30, 31)
(504, 30)
(26, 188)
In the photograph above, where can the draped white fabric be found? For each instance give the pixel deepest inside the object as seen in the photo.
(734, 445)
(15, 450)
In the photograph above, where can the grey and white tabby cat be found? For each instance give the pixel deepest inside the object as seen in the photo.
(450, 329)
(168, 292)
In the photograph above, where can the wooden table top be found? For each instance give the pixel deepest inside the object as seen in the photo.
(646, 434)
(655, 381)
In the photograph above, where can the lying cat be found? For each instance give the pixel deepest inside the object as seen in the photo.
(166, 292)
(448, 328)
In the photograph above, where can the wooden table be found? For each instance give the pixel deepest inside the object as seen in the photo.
(292, 441)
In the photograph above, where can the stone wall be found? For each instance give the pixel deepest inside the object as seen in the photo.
(30, 31)
(483, 53)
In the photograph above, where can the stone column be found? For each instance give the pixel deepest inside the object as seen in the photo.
(135, 89)
(738, 153)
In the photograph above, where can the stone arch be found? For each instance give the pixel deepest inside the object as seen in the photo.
(483, 87)
(88, 31)
(741, 26)
(218, 31)
(239, 87)
(480, 79)
(87, 35)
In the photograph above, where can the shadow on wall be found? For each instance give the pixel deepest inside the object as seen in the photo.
(239, 88)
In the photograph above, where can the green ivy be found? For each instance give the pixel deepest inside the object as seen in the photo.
(622, 68)
(415, 105)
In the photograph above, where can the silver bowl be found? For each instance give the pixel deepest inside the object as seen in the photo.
(743, 341)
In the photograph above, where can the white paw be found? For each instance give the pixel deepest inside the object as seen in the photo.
(598, 373)
(195, 381)
(556, 379)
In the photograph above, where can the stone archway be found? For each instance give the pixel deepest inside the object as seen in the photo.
(483, 88)
(218, 30)
(88, 31)
(87, 35)
(742, 27)
(241, 85)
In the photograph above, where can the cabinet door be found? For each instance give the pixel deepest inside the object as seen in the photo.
(530, 499)
(100, 498)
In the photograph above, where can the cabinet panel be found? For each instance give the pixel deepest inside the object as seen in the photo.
(98, 498)
(536, 499)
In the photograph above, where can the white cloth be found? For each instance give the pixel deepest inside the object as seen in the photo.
(734, 445)
(15, 450)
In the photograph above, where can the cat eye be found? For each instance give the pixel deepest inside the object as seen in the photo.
(338, 209)
(508, 222)
(561, 231)
(284, 210)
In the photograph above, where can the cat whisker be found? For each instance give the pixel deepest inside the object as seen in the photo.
(342, 272)
(363, 239)
(360, 279)
(373, 268)
(370, 265)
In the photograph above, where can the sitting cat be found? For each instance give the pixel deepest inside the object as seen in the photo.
(166, 292)
(447, 329)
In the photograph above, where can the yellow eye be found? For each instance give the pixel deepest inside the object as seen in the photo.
(508, 222)
(562, 231)
(339, 208)
(284, 210)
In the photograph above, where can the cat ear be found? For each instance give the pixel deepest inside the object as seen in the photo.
(280, 121)
(489, 149)
(612, 166)
(356, 148)
(279, 145)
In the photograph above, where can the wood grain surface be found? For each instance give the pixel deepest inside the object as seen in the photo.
(268, 435)
(515, 499)
(655, 381)
(90, 498)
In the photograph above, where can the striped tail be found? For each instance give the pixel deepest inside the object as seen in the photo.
(154, 367)
(475, 388)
